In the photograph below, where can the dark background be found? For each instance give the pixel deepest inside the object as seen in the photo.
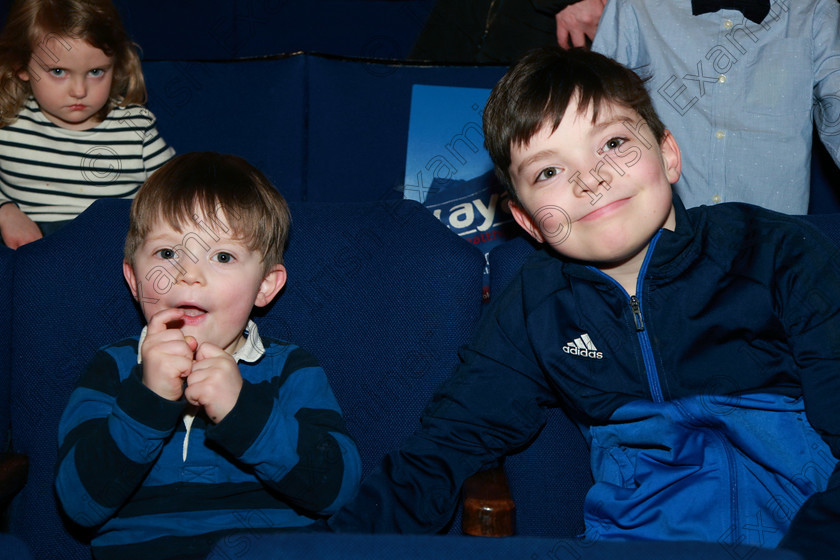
(218, 29)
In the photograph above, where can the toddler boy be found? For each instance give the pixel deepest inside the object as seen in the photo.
(706, 376)
(200, 427)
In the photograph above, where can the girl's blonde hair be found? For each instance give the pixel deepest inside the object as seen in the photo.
(31, 22)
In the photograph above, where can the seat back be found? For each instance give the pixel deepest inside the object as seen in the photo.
(186, 97)
(382, 294)
(6, 274)
(69, 299)
(349, 100)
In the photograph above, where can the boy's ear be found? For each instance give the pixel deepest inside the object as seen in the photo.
(272, 283)
(525, 221)
(671, 157)
(23, 74)
(130, 278)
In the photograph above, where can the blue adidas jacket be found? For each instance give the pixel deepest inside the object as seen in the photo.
(711, 396)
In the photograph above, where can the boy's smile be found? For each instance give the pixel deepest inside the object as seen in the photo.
(214, 278)
(596, 192)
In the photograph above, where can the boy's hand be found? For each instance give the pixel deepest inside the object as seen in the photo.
(215, 381)
(167, 355)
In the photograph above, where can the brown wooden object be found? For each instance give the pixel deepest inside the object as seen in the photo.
(14, 469)
(489, 510)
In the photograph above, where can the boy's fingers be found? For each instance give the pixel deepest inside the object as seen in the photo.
(191, 342)
(160, 319)
(208, 350)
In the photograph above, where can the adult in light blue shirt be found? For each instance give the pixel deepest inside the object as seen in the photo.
(741, 97)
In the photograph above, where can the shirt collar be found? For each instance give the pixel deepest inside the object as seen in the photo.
(250, 352)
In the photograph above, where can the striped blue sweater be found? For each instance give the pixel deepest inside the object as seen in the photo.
(153, 487)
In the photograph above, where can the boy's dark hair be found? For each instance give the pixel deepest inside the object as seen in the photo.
(229, 193)
(537, 90)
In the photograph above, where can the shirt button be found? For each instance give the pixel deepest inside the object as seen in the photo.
(722, 79)
(728, 24)
(720, 134)
(716, 199)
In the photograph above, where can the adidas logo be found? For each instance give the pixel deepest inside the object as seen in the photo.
(583, 346)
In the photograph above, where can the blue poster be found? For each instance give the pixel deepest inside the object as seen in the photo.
(448, 169)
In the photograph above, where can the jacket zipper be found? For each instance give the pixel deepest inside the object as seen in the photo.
(635, 302)
(656, 393)
(647, 349)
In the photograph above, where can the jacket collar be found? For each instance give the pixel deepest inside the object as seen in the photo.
(673, 252)
(676, 249)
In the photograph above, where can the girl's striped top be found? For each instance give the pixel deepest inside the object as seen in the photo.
(53, 173)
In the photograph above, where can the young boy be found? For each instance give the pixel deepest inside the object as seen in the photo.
(200, 427)
(706, 375)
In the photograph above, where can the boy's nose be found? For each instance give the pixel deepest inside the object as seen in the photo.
(597, 178)
(190, 272)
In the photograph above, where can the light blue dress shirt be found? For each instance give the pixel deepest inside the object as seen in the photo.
(741, 98)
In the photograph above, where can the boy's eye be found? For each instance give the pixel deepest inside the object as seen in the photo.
(612, 144)
(223, 257)
(548, 173)
(57, 72)
(97, 72)
(166, 253)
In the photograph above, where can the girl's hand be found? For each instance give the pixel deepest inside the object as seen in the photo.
(215, 381)
(167, 355)
(16, 227)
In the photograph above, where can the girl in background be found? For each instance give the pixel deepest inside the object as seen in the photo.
(72, 125)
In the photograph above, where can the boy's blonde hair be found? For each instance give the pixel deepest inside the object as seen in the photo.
(216, 191)
(95, 21)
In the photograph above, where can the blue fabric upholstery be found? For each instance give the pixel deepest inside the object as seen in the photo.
(382, 293)
(12, 548)
(6, 272)
(70, 299)
(253, 109)
(322, 129)
(358, 123)
(414, 547)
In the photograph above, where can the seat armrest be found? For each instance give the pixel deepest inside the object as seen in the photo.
(14, 468)
(489, 509)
